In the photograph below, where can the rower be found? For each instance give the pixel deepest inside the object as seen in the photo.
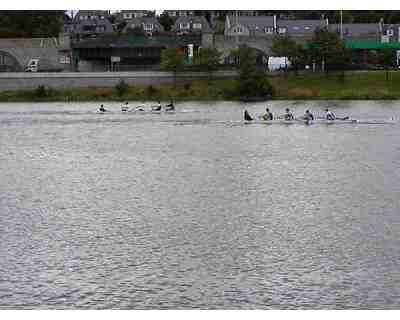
(125, 107)
(308, 116)
(288, 115)
(157, 108)
(139, 108)
(329, 115)
(102, 109)
(247, 116)
(268, 115)
(170, 107)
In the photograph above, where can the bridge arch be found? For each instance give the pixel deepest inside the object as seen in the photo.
(8, 63)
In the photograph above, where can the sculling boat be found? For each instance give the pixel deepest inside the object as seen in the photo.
(319, 121)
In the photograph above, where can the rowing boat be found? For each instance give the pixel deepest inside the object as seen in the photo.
(151, 111)
(318, 121)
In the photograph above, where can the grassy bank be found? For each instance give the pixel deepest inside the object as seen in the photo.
(354, 85)
(193, 90)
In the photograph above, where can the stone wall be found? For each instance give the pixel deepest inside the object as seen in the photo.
(26, 81)
(226, 44)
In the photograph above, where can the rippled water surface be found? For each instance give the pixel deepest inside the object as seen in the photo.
(198, 210)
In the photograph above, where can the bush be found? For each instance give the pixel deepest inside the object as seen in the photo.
(40, 92)
(151, 91)
(122, 88)
(256, 87)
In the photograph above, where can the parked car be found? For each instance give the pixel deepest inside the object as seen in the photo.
(41, 65)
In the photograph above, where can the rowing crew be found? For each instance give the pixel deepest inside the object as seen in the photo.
(288, 116)
(125, 108)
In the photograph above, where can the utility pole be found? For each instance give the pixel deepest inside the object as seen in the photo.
(341, 24)
(237, 35)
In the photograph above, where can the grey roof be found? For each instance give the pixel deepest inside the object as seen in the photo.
(79, 27)
(205, 27)
(91, 12)
(143, 20)
(253, 23)
(301, 26)
(356, 29)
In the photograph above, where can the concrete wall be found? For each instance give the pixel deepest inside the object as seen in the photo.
(23, 81)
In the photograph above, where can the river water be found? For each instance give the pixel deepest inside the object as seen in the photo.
(198, 210)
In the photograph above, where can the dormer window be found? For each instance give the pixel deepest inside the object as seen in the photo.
(196, 25)
(282, 30)
(148, 26)
(102, 17)
(184, 26)
(238, 30)
(269, 30)
(307, 28)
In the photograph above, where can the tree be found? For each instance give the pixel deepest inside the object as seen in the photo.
(284, 46)
(166, 21)
(328, 49)
(35, 23)
(121, 26)
(172, 60)
(207, 59)
(388, 58)
(251, 82)
(346, 16)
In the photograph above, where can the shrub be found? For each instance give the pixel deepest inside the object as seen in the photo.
(40, 92)
(121, 88)
(151, 91)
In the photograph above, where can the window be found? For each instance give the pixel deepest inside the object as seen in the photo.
(238, 30)
(184, 26)
(281, 30)
(269, 30)
(102, 17)
(196, 25)
(307, 28)
(148, 26)
(389, 32)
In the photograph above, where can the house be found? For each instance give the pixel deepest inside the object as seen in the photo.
(145, 24)
(89, 24)
(179, 13)
(299, 28)
(358, 31)
(250, 25)
(125, 15)
(390, 32)
(83, 15)
(191, 25)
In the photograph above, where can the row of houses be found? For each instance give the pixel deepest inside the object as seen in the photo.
(266, 26)
(90, 24)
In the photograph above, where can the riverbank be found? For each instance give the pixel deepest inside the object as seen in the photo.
(351, 86)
